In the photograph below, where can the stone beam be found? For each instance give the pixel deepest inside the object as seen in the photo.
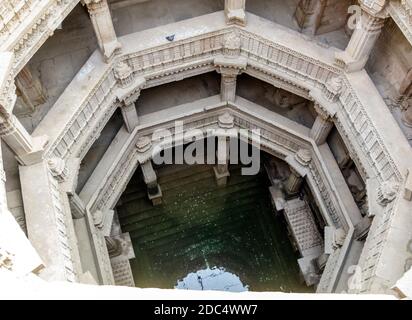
(309, 14)
(364, 37)
(103, 26)
(235, 12)
(48, 225)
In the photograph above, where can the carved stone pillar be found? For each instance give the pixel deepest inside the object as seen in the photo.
(230, 65)
(364, 37)
(322, 126)
(228, 85)
(103, 26)
(28, 150)
(308, 15)
(235, 12)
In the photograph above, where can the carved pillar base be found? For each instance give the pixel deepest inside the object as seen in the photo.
(235, 12)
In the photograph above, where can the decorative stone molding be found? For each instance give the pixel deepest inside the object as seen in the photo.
(387, 192)
(32, 23)
(232, 44)
(58, 169)
(143, 144)
(123, 74)
(333, 89)
(97, 108)
(131, 93)
(303, 157)
(401, 13)
(226, 121)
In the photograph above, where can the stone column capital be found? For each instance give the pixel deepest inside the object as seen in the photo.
(375, 8)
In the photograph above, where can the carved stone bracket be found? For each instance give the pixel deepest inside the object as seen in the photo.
(387, 192)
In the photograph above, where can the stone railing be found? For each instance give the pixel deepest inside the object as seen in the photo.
(278, 64)
(401, 12)
(26, 24)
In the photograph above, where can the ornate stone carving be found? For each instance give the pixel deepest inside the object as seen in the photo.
(123, 74)
(143, 144)
(333, 89)
(303, 157)
(58, 168)
(226, 121)
(387, 192)
(232, 44)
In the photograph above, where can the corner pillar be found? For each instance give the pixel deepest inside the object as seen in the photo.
(103, 26)
(364, 37)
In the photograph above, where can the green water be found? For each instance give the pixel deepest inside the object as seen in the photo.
(200, 225)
